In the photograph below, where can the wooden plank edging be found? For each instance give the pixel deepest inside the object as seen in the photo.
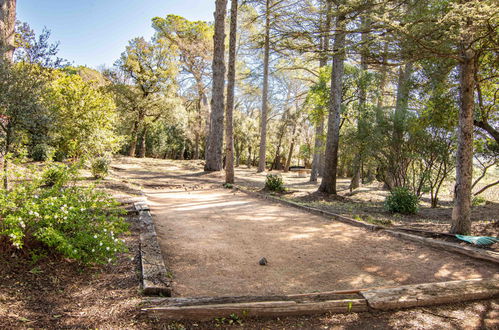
(256, 309)
(155, 279)
(429, 294)
(382, 299)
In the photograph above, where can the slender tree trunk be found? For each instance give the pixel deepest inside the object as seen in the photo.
(248, 162)
(143, 144)
(382, 86)
(291, 148)
(357, 169)
(395, 176)
(133, 143)
(8, 141)
(328, 184)
(7, 29)
(214, 148)
(461, 214)
(231, 80)
(182, 150)
(265, 91)
(318, 158)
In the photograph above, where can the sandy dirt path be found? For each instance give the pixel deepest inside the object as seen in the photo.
(212, 240)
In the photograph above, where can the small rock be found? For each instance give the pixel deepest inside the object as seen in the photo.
(263, 261)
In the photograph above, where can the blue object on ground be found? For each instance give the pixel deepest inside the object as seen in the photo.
(479, 240)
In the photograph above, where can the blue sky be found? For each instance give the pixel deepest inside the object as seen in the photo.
(93, 32)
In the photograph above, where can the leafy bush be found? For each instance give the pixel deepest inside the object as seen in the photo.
(100, 167)
(80, 223)
(478, 201)
(402, 200)
(56, 175)
(42, 152)
(274, 182)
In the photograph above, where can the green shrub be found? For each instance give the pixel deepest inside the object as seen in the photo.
(478, 201)
(274, 182)
(42, 152)
(82, 224)
(402, 200)
(100, 167)
(56, 175)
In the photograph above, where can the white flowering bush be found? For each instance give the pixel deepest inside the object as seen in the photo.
(83, 224)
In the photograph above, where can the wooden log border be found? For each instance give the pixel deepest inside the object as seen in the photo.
(155, 280)
(376, 299)
(442, 245)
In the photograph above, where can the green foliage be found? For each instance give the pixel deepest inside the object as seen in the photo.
(274, 182)
(57, 174)
(478, 201)
(84, 117)
(79, 223)
(100, 167)
(228, 185)
(232, 319)
(402, 200)
(42, 152)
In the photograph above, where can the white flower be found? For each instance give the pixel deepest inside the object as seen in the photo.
(95, 236)
(82, 209)
(100, 244)
(109, 260)
(22, 224)
(105, 230)
(107, 248)
(30, 212)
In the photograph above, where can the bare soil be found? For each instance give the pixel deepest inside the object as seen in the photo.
(54, 293)
(213, 238)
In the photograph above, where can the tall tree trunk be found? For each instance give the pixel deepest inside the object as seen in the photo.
(248, 162)
(395, 176)
(461, 213)
(7, 29)
(265, 91)
(291, 148)
(8, 141)
(231, 80)
(133, 142)
(182, 150)
(361, 122)
(328, 183)
(382, 85)
(143, 143)
(213, 154)
(318, 158)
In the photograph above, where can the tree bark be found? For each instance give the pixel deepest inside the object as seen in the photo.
(328, 183)
(7, 29)
(8, 141)
(265, 91)
(318, 157)
(291, 148)
(213, 154)
(143, 145)
(461, 213)
(133, 143)
(357, 170)
(395, 176)
(231, 79)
